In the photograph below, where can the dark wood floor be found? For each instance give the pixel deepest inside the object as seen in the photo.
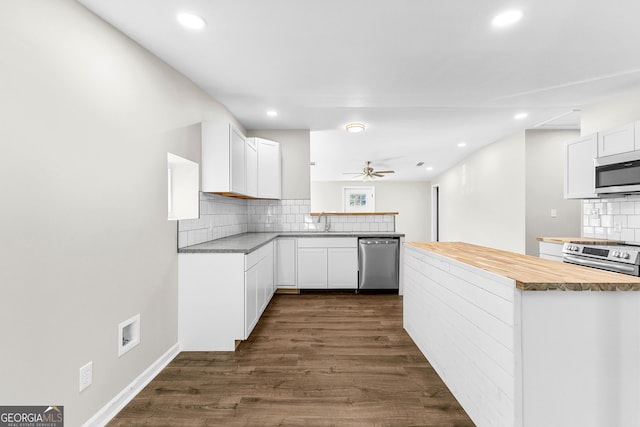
(313, 360)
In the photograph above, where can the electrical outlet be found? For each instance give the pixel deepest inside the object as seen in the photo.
(86, 376)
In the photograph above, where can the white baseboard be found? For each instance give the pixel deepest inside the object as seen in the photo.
(111, 409)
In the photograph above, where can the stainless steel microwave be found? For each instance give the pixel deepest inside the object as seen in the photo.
(619, 173)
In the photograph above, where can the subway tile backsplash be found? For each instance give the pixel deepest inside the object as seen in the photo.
(226, 216)
(616, 219)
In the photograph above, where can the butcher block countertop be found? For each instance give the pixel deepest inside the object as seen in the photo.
(532, 273)
(583, 240)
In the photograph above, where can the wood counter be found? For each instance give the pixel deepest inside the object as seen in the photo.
(517, 358)
(583, 240)
(532, 273)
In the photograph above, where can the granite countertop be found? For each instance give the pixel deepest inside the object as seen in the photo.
(249, 242)
(532, 273)
(583, 240)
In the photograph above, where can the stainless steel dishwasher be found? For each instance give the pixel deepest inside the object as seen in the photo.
(378, 260)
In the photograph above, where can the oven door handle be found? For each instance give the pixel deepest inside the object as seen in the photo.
(584, 261)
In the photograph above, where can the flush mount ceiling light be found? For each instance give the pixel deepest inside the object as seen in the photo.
(462, 144)
(191, 21)
(507, 18)
(520, 116)
(272, 113)
(429, 168)
(355, 127)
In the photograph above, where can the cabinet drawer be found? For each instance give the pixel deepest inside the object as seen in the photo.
(327, 242)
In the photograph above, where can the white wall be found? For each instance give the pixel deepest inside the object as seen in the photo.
(482, 199)
(411, 199)
(545, 188)
(615, 111)
(296, 172)
(87, 119)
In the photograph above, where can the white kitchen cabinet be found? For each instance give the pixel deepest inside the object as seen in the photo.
(223, 159)
(551, 250)
(251, 291)
(222, 296)
(285, 263)
(312, 268)
(251, 167)
(342, 268)
(327, 263)
(269, 169)
(258, 284)
(579, 171)
(617, 140)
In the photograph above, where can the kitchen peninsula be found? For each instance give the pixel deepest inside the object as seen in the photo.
(524, 341)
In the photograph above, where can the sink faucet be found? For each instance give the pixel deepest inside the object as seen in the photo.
(327, 224)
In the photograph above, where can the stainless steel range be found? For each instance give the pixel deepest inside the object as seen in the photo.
(617, 258)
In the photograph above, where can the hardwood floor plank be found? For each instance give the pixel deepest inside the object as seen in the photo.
(313, 360)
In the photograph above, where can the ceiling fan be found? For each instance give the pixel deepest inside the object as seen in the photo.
(368, 173)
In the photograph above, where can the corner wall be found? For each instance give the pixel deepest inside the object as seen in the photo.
(87, 119)
(482, 198)
(545, 163)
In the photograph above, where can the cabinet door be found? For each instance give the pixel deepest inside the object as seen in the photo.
(251, 167)
(342, 268)
(250, 299)
(269, 169)
(579, 172)
(550, 250)
(265, 279)
(312, 268)
(238, 171)
(617, 140)
(285, 263)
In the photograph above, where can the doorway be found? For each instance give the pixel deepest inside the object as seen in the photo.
(435, 213)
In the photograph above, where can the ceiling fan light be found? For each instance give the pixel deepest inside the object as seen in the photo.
(355, 127)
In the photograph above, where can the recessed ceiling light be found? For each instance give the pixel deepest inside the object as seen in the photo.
(429, 168)
(191, 21)
(462, 144)
(507, 18)
(272, 113)
(520, 116)
(355, 127)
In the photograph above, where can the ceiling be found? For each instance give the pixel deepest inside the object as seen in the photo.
(422, 76)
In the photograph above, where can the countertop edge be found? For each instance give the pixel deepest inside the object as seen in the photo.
(269, 237)
(605, 281)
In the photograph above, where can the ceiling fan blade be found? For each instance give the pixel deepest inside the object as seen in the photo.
(377, 174)
(385, 171)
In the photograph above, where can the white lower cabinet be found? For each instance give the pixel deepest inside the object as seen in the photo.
(222, 296)
(342, 268)
(285, 262)
(312, 268)
(327, 263)
(550, 250)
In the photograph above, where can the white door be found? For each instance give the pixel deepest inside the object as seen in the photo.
(312, 268)
(342, 268)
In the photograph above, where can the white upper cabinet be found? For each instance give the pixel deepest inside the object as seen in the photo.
(579, 173)
(223, 159)
(617, 140)
(251, 166)
(269, 169)
(233, 165)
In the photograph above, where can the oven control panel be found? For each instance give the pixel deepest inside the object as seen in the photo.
(622, 253)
